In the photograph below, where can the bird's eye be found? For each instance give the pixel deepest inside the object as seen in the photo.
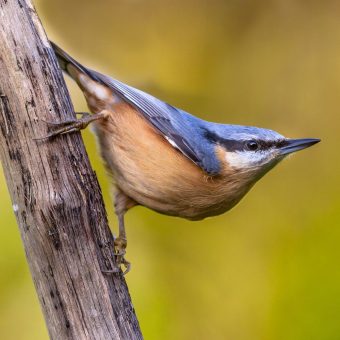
(252, 145)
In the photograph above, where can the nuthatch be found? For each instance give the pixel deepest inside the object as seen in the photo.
(164, 158)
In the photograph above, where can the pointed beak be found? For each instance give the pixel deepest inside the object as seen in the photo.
(293, 145)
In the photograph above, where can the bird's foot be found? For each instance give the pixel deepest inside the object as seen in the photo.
(120, 251)
(123, 266)
(120, 262)
(72, 125)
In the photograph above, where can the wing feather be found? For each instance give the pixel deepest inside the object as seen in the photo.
(164, 117)
(183, 131)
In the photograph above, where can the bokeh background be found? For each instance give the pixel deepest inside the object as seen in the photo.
(269, 269)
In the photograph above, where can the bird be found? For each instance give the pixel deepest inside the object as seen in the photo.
(166, 159)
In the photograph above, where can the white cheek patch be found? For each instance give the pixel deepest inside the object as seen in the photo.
(244, 159)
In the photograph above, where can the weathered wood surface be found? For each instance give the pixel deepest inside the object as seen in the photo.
(55, 193)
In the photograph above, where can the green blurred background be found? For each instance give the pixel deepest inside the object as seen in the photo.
(269, 269)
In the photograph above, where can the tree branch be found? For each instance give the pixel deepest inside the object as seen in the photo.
(55, 193)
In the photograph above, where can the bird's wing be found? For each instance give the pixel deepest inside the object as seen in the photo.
(171, 122)
(182, 130)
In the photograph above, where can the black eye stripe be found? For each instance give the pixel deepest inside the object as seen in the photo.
(232, 145)
(235, 145)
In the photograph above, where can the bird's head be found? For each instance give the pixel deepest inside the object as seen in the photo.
(253, 151)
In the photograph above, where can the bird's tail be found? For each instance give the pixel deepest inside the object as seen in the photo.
(68, 64)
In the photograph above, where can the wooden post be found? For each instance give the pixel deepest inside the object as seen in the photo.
(55, 193)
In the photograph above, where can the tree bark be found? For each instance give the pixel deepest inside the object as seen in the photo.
(55, 193)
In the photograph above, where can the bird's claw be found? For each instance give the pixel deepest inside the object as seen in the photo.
(71, 125)
(126, 265)
(119, 264)
(58, 124)
(62, 128)
(120, 251)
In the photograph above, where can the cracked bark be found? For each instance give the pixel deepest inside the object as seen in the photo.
(55, 193)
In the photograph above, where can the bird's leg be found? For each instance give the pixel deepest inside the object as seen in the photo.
(67, 126)
(122, 204)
